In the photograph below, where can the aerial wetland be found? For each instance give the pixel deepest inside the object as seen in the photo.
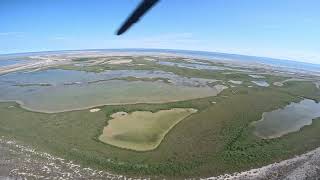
(158, 115)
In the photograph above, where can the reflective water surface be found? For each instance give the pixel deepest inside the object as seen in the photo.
(63, 90)
(10, 62)
(288, 119)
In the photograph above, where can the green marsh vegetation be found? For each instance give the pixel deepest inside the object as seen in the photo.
(218, 139)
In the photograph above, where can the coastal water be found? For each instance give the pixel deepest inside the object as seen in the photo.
(5, 62)
(280, 63)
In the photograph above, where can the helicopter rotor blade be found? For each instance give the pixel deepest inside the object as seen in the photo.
(143, 7)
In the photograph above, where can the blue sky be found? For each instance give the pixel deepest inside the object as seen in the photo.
(274, 28)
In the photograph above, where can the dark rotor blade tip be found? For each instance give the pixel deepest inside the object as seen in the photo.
(143, 7)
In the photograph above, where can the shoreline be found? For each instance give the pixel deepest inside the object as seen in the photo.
(100, 106)
(23, 106)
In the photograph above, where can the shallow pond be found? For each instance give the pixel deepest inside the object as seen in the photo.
(288, 119)
(261, 83)
(256, 76)
(64, 90)
(193, 66)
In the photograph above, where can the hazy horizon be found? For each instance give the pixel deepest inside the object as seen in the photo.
(275, 29)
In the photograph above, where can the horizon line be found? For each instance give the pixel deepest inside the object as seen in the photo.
(226, 53)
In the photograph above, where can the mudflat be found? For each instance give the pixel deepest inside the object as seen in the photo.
(142, 130)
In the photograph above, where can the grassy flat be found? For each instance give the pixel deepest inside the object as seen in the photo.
(142, 130)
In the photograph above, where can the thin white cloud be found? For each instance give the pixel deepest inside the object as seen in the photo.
(11, 33)
(188, 41)
(271, 26)
(59, 38)
(183, 40)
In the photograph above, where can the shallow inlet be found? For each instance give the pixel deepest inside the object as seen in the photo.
(288, 119)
